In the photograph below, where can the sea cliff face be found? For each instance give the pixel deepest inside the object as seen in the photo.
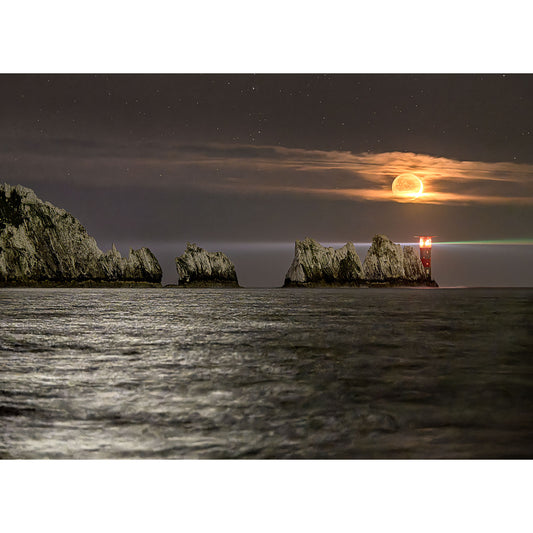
(315, 265)
(198, 268)
(386, 264)
(41, 244)
(389, 263)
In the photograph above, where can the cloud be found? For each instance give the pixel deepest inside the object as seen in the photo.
(251, 169)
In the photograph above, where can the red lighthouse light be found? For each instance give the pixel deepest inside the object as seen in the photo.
(425, 254)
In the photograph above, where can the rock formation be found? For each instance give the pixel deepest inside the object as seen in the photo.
(412, 265)
(41, 244)
(386, 264)
(141, 265)
(198, 268)
(315, 265)
(390, 264)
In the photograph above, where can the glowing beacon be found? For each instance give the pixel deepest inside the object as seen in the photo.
(425, 254)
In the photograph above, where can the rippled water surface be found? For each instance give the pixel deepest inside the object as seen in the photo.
(266, 373)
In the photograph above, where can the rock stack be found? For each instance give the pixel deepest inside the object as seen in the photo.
(198, 268)
(386, 264)
(315, 265)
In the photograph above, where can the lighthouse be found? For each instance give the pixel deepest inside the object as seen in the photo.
(425, 254)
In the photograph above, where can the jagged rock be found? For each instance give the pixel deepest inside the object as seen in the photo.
(141, 265)
(314, 265)
(384, 260)
(386, 264)
(198, 268)
(412, 265)
(41, 244)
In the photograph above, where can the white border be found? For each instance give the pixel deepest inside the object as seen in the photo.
(277, 36)
(266, 496)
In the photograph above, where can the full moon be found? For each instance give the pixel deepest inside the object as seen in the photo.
(407, 187)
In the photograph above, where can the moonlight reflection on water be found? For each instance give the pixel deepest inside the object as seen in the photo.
(266, 373)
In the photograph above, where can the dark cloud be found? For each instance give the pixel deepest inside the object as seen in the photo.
(251, 169)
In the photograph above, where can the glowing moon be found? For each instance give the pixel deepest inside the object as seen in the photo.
(407, 187)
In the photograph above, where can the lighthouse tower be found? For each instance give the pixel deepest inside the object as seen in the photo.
(425, 254)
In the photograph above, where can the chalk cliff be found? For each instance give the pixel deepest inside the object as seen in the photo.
(386, 264)
(389, 263)
(198, 268)
(316, 265)
(41, 244)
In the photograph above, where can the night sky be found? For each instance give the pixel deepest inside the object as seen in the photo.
(246, 164)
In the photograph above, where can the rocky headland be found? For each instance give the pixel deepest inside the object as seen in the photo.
(386, 265)
(201, 269)
(43, 245)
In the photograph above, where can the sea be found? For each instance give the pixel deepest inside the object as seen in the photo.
(410, 373)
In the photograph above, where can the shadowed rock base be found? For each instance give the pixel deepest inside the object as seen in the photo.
(402, 283)
(89, 284)
(318, 284)
(363, 285)
(208, 285)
